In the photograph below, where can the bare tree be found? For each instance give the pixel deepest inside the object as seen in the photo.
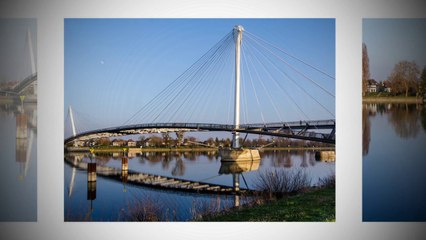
(365, 69)
(155, 141)
(404, 77)
(166, 138)
(179, 138)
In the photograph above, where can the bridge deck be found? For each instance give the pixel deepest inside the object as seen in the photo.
(24, 83)
(158, 181)
(297, 130)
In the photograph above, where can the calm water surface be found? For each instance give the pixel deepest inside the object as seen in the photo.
(114, 201)
(18, 155)
(394, 162)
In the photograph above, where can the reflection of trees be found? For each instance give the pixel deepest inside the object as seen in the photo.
(192, 156)
(153, 157)
(179, 168)
(312, 160)
(423, 117)
(281, 158)
(304, 162)
(404, 117)
(165, 163)
(366, 128)
(102, 159)
(212, 155)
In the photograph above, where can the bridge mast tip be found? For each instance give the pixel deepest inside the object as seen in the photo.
(239, 28)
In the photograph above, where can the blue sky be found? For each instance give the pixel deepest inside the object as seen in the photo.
(115, 66)
(392, 40)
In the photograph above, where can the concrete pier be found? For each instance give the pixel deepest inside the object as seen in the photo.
(233, 155)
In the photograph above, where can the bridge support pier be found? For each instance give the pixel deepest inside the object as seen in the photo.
(21, 126)
(91, 182)
(235, 155)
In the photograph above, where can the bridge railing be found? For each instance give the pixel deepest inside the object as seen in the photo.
(268, 128)
(314, 123)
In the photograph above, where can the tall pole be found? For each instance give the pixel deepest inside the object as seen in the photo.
(30, 46)
(72, 121)
(33, 66)
(238, 36)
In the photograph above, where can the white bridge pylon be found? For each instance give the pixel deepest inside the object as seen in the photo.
(74, 132)
(238, 37)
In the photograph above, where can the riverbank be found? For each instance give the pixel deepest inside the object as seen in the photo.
(391, 100)
(17, 100)
(316, 205)
(197, 149)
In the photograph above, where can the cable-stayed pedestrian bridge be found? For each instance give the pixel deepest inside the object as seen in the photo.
(233, 85)
(28, 85)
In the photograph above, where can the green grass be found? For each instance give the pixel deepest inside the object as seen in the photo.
(313, 206)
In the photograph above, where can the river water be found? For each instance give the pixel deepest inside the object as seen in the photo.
(110, 200)
(394, 162)
(18, 156)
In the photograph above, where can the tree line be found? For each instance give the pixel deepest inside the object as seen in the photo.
(167, 141)
(406, 79)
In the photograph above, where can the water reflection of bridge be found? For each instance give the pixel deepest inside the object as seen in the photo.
(126, 176)
(158, 181)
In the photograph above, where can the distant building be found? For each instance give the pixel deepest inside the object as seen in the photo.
(371, 86)
(131, 143)
(386, 87)
(117, 142)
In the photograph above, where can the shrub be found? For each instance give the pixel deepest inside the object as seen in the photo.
(278, 182)
(144, 210)
(202, 208)
(328, 182)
